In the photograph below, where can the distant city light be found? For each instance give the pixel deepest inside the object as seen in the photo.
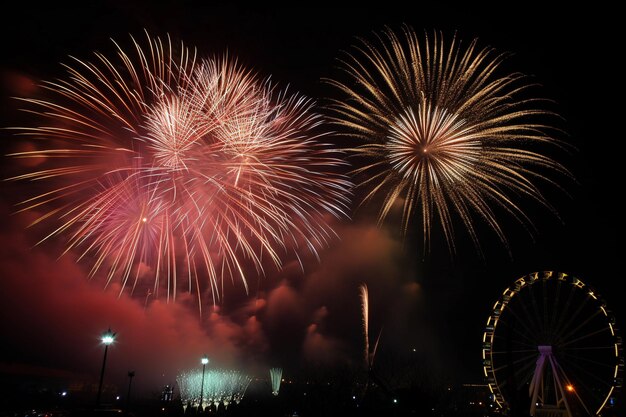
(64, 393)
(395, 401)
(569, 387)
(117, 397)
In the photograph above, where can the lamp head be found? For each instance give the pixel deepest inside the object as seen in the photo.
(108, 337)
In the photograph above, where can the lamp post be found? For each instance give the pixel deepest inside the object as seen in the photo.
(204, 361)
(107, 338)
(131, 374)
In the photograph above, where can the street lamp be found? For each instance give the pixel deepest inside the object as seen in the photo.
(131, 374)
(204, 361)
(107, 338)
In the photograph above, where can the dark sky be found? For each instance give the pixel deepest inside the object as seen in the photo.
(434, 303)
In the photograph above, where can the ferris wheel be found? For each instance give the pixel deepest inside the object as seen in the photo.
(551, 348)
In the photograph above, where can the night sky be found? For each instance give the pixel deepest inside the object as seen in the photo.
(434, 303)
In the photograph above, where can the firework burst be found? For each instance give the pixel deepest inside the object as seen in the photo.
(159, 164)
(441, 134)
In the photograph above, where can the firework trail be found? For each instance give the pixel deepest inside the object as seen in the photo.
(441, 134)
(368, 355)
(365, 313)
(161, 167)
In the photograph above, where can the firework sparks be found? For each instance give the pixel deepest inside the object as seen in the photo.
(365, 314)
(214, 387)
(160, 164)
(441, 134)
(276, 375)
(365, 307)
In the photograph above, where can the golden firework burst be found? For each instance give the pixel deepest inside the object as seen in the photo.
(441, 133)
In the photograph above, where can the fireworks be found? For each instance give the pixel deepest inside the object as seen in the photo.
(442, 135)
(218, 386)
(367, 354)
(159, 164)
(365, 313)
(276, 375)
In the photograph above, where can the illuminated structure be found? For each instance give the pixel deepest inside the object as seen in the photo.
(107, 338)
(553, 336)
(167, 394)
(204, 362)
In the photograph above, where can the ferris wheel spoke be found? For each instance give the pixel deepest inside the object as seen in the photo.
(586, 395)
(556, 309)
(573, 317)
(529, 316)
(530, 342)
(522, 322)
(564, 311)
(583, 395)
(535, 308)
(497, 352)
(608, 348)
(525, 370)
(582, 337)
(545, 304)
(590, 361)
(596, 315)
(515, 362)
(577, 369)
